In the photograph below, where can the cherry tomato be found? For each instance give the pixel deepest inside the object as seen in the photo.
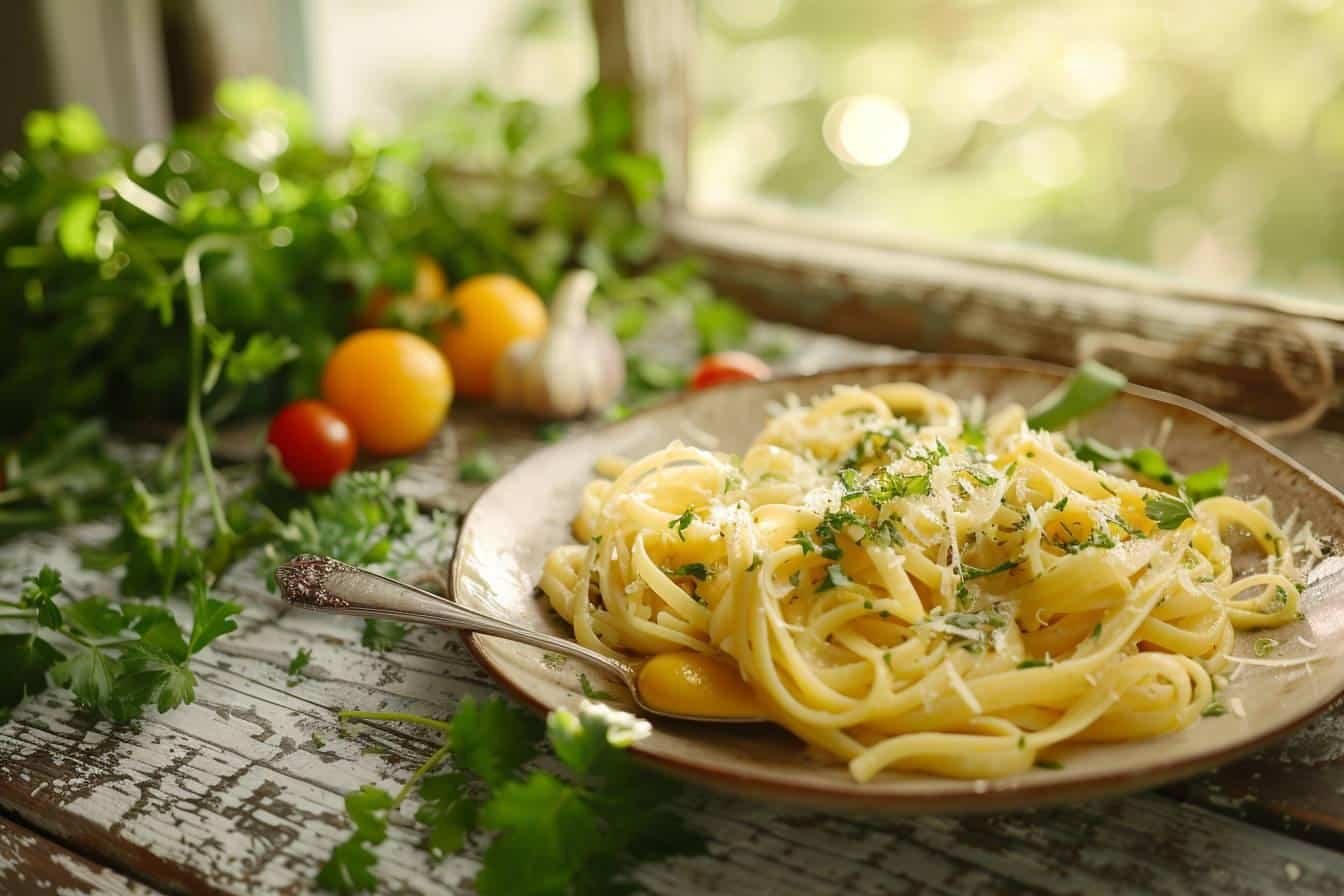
(430, 287)
(393, 386)
(315, 443)
(490, 313)
(728, 367)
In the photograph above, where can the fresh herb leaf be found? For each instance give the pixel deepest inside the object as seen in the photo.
(720, 325)
(349, 869)
(969, 573)
(1090, 387)
(299, 662)
(973, 434)
(1034, 664)
(834, 577)
(447, 811)
(210, 618)
(1168, 511)
(683, 522)
(1214, 709)
(26, 659)
(1208, 483)
(693, 570)
(491, 738)
(803, 541)
(382, 635)
(551, 432)
(1150, 463)
(590, 692)
(478, 467)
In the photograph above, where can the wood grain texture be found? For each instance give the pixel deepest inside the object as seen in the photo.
(241, 792)
(30, 863)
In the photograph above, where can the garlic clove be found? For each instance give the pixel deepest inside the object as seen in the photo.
(578, 367)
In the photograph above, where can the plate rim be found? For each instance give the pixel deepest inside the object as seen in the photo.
(1002, 793)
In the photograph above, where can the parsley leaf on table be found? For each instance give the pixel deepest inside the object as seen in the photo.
(478, 467)
(578, 832)
(382, 635)
(491, 738)
(298, 663)
(447, 811)
(121, 659)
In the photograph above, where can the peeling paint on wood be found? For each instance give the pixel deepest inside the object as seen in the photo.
(32, 864)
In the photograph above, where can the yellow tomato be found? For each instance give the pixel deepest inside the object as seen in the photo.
(392, 386)
(430, 286)
(490, 312)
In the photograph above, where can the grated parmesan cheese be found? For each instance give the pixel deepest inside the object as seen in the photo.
(959, 685)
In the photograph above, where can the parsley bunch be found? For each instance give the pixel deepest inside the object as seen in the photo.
(117, 659)
(578, 832)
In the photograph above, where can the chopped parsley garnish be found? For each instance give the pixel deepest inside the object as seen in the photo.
(803, 541)
(1150, 462)
(1214, 709)
(1096, 632)
(1062, 503)
(590, 692)
(973, 434)
(981, 478)
(1097, 538)
(683, 522)
(1168, 511)
(693, 570)
(1053, 765)
(973, 620)
(849, 478)
(968, 572)
(1034, 664)
(1265, 646)
(834, 578)
(887, 532)
(756, 561)
(886, 486)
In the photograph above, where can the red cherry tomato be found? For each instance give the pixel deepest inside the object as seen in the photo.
(728, 367)
(315, 443)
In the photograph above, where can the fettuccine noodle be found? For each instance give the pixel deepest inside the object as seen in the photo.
(904, 589)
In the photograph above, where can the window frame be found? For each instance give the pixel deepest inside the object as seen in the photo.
(1253, 351)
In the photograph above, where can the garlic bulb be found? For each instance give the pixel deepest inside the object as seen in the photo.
(576, 368)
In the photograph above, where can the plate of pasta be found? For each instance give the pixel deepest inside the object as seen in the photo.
(947, 587)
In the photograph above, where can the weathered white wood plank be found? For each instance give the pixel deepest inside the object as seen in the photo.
(30, 863)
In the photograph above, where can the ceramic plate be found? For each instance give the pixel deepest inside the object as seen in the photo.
(506, 536)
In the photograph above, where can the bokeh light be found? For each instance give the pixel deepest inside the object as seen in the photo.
(868, 131)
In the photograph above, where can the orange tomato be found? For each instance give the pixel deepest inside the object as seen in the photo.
(430, 286)
(490, 313)
(392, 386)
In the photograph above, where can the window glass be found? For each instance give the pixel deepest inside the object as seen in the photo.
(408, 66)
(1205, 139)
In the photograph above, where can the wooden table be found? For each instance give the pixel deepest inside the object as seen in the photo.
(241, 792)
